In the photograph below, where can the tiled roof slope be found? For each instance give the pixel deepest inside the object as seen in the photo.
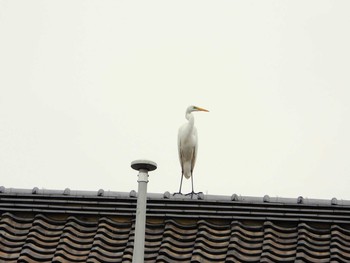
(53, 226)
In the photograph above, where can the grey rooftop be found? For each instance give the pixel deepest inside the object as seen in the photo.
(167, 195)
(165, 205)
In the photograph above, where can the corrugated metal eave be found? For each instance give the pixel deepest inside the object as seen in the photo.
(173, 208)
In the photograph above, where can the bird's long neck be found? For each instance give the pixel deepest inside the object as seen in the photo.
(190, 118)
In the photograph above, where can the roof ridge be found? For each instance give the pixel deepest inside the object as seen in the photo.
(166, 195)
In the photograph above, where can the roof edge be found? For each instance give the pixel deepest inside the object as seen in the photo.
(178, 197)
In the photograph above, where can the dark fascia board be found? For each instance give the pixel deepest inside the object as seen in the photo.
(168, 206)
(153, 196)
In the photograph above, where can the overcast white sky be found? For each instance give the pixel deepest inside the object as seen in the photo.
(86, 87)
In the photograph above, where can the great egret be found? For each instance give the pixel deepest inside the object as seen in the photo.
(188, 145)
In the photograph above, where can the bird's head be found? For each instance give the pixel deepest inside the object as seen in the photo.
(195, 108)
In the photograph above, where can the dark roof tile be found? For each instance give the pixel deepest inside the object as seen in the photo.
(52, 227)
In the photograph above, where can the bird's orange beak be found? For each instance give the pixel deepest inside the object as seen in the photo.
(201, 109)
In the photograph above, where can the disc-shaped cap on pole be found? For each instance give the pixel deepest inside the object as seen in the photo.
(143, 165)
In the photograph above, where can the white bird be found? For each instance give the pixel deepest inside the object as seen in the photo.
(188, 145)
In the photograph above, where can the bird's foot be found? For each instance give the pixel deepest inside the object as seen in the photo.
(177, 193)
(193, 193)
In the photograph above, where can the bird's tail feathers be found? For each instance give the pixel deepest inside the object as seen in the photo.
(187, 175)
(187, 170)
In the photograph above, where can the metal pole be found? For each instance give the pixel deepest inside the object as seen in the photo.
(139, 241)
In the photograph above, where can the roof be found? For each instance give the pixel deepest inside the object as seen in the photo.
(87, 226)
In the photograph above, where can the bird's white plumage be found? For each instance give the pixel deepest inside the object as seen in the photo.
(188, 142)
(188, 145)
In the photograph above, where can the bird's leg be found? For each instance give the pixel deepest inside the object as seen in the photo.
(182, 176)
(193, 192)
(192, 181)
